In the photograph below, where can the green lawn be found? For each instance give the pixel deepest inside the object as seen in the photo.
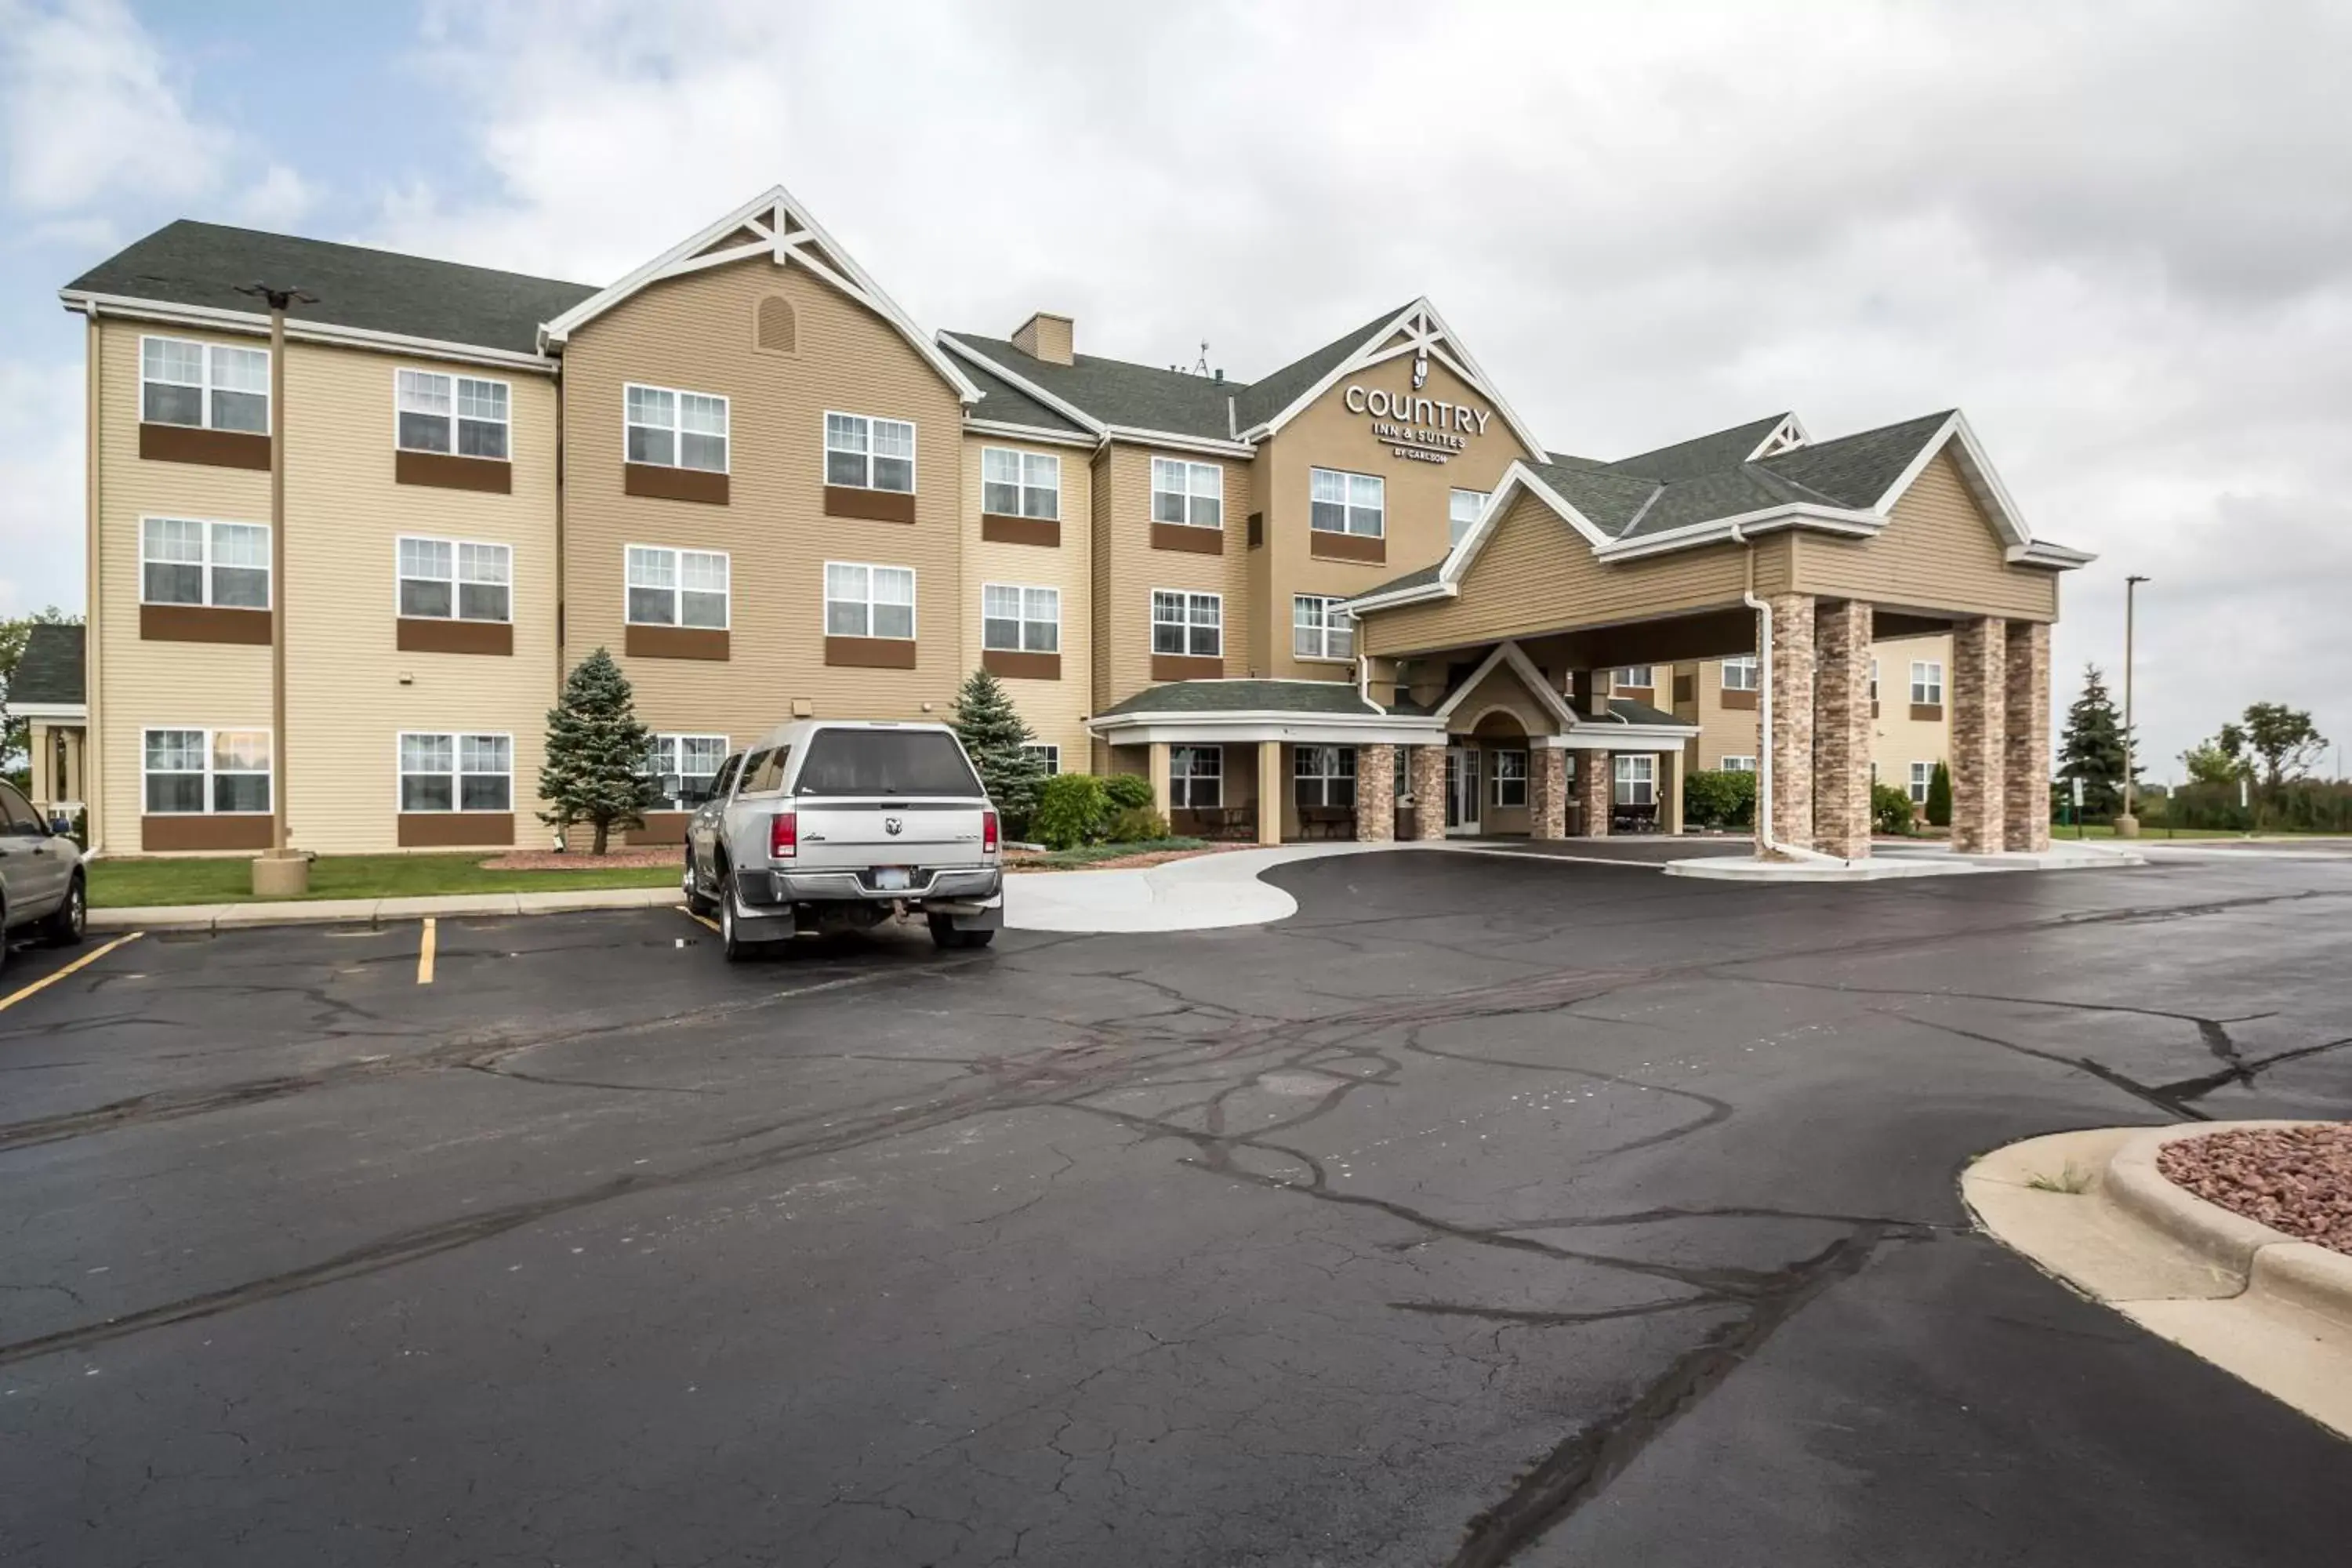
(2156, 830)
(132, 883)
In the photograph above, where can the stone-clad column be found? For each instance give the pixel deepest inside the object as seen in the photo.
(1841, 730)
(1549, 820)
(1429, 793)
(2025, 816)
(1791, 739)
(1979, 694)
(1375, 794)
(1596, 781)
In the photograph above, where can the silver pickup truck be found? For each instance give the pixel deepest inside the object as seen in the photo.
(834, 826)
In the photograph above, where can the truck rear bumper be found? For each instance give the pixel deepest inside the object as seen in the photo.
(845, 887)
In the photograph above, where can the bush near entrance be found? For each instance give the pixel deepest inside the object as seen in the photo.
(1074, 809)
(1890, 810)
(1719, 798)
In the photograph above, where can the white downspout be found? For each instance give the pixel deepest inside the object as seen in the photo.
(1764, 843)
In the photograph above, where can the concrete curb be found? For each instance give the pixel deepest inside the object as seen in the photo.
(212, 918)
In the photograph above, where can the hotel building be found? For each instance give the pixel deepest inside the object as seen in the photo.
(1356, 596)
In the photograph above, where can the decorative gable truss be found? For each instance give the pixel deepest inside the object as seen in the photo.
(774, 225)
(1786, 437)
(1416, 332)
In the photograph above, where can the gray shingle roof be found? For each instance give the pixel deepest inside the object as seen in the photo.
(1427, 574)
(1117, 393)
(1270, 394)
(51, 668)
(1702, 454)
(189, 263)
(1338, 697)
(1634, 713)
(1611, 502)
(1855, 470)
(1008, 405)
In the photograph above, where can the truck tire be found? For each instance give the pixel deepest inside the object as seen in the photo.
(696, 901)
(735, 949)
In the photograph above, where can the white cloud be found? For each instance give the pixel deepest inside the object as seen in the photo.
(93, 112)
(41, 516)
(279, 201)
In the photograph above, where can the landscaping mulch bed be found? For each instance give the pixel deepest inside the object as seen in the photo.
(2294, 1179)
(581, 860)
(1018, 860)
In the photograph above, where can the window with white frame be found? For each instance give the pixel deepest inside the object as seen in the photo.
(1740, 674)
(1189, 624)
(1635, 677)
(1196, 776)
(462, 414)
(208, 386)
(1927, 681)
(456, 772)
(1323, 776)
(187, 772)
(684, 768)
(1016, 619)
(1189, 494)
(676, 587)
(870, 454)
(1048, 758)
(1322, 628)
(455, 579)
(1510, 778)
(1738, 765)
(1462, 509)
(1637, 780)
(866, 601)
(1874, 680)
(671, 429)
(1346, 503)
(185, 562)
(1020, 484)
(1922, 774)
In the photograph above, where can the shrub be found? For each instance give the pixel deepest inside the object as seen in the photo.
(1127, 791)
(1939, 798)
(1719, 799)
(1072, 810)
(1890, 810)
(1136, 825)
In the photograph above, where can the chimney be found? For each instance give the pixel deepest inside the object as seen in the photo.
(1047, 337)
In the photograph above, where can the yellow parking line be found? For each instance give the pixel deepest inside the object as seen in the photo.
(84, 962)
(698, 920)
(424, 954)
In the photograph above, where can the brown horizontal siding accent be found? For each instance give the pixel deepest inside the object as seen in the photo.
(675, 642)
(874, 505)
(1347, 546)
(656, 482)
(661, 827)
(1185, 537)
(1185, 667)
(456, 829)
(196, 831)
(870, 653)
(1022, 665)
(1740, 701)
(491, 475)
(220, 448)
(426, 633)
(1647, 694)
(1927, 713)
(1003, 530)
(203, 623)
(1685, 689)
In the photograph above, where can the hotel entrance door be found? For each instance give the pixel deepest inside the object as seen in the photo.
(1462, 790)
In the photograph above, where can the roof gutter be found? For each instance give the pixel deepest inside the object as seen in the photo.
(214, 318)
(1765, 848)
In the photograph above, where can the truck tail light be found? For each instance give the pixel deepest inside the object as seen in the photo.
(988, 831)
(783, 836)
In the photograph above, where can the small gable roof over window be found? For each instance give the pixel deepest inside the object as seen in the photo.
(773, 226)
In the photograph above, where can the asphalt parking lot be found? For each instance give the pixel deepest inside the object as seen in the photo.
(1489, 1210)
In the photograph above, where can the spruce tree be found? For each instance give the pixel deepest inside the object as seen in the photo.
(993, 730)
(1939, 797)
(596, 768)
(2093, 749)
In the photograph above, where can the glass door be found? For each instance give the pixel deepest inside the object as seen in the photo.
(1462, 789)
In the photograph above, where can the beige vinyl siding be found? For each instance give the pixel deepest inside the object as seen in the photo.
(1055, 709)
(1723, 731)
(1897, 740)
(350, 692)
(696, 333)
(1128, 568)
(1938, 550)
(1536, 574)
(1326, 436)
(1502, 691)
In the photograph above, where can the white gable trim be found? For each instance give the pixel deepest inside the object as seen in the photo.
(1830, 520)
(1518, 477)
(1022, 384)
(1976, 469)
(1786, 437)
(786, 233)
(1426, 332)
(1521, 666)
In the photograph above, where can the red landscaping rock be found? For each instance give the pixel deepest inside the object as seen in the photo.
(2297, 1180)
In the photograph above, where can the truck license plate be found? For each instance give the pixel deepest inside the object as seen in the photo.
(889, 878)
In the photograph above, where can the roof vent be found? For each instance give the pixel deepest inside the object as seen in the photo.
(1048, 337)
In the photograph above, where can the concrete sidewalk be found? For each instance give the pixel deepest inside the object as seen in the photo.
(1200, 894)
(368, 911)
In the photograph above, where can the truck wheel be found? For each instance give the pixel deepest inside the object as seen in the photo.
(733, 946)
(944, 933)
(696, 901)
(64, 927)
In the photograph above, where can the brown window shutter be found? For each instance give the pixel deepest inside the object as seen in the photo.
(1685, 688)
(1256, 528)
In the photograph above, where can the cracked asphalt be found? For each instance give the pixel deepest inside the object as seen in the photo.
(1490, 1210)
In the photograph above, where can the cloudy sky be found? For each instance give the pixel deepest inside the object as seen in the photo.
(2119, 235)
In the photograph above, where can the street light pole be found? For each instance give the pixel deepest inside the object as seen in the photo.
(2128, 824)
(280, 872)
